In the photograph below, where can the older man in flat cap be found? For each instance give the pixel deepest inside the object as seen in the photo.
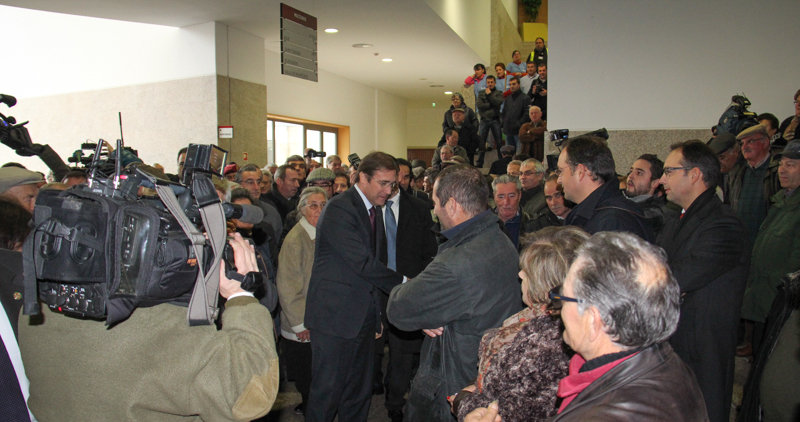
(730, 159)
(21, 185)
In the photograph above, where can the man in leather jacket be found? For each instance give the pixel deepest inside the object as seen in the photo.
(620, 304)
(626, 305)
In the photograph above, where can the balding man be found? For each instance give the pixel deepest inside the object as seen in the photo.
(451, 140)
(707, 250)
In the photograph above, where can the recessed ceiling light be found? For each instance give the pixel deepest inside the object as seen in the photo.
(437, 86)
(448, 92)
(387, 59)
(362, 45)
(331, 30)
(423, 79)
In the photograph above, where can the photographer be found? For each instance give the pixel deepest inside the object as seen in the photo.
(153, 366)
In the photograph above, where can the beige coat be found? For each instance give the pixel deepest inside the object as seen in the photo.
(294, 272)
(152, 367)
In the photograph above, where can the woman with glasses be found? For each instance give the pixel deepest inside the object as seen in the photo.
(522, 362)
(294, 272)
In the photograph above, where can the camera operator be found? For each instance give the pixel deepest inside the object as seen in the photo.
(153, 366)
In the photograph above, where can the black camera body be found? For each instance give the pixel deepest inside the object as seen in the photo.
(315, 154)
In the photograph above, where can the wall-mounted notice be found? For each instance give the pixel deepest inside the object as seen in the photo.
(298, 44)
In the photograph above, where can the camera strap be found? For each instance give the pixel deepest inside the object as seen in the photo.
(203, 304)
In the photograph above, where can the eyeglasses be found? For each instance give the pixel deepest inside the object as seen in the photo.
(530, 173)
(386, 184)
(250, 182)
(557, 299)
(668, 170)
(316, 206)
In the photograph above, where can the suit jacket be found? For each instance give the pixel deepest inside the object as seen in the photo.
(345, 270)
(708, 254)
(11, 284)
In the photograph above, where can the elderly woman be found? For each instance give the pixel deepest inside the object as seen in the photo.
(294, 272)
(522, 362)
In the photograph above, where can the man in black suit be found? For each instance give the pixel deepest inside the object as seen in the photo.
(411, 246)
(708, 254)
(342, 306)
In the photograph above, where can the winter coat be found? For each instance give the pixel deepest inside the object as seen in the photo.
(488, 105)
(776, 253)
(470, 287)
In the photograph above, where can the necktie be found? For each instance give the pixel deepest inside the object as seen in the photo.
(391, 235)
(372, 225)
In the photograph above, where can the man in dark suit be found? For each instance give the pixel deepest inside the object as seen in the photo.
(411, 246)
(342, 306)
(708, 254)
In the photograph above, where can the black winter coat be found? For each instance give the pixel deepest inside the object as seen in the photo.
(470, 287)
(709, 256)
(515, 113)
(607, 210)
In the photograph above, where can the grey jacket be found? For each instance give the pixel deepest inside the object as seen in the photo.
(470, 287)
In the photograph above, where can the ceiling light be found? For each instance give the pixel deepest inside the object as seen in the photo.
(387, 59)
(362, 45)
(331, 30)
(423, 79)
(448, 92)
(437, 86)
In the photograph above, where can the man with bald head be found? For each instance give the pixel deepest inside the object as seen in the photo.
(451, 140)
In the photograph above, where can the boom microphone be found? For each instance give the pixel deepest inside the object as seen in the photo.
(8, 100)
(245, 213)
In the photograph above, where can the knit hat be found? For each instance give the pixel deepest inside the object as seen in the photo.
(321, 173)
(15, 176)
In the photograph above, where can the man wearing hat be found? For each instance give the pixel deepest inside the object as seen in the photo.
(776, 251)
(322, 177)
(750, 190)
(21, 185)
(730, 159)
(467, 134)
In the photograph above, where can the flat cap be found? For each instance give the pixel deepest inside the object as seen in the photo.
(321, 173)
(791, 150)
(15, 176)
(722, 142)
(753, 130)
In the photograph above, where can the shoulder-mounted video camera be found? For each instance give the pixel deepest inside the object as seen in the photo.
(130, 238)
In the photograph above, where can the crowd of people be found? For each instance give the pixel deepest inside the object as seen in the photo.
(528, 293)
(512, 107)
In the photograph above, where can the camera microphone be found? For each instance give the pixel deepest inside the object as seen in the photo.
(8, 100)
(245, 213)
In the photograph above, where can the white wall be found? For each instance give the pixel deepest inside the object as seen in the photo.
(239, 54)
(470, 19)
(51, 53)
(425, 124)
(630, 64)
(377, 119)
